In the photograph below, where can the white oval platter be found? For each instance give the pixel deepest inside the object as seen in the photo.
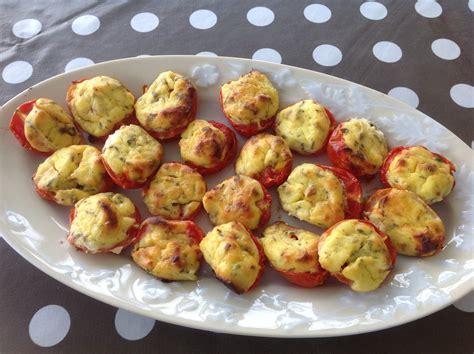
(417, 287)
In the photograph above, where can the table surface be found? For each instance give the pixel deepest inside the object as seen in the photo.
(421, 53)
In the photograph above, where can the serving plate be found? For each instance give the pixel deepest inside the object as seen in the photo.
(417, 287)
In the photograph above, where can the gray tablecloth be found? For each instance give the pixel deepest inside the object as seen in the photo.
(420, 52)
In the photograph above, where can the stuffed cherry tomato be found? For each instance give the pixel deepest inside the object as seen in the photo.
(250, 103)
(294, 254)
(175, 192)
(235, 255)
(131, 156)
(169, 250)
(105, 222)
(43, 126)
(413, 227)
(265, 157)
(305, 126)
(321, 195)
(207, 146)
(357, 254)
(167, 106)
(100, 105)
(238, 198)
(357, 146)
(419, 170)
(70, 174)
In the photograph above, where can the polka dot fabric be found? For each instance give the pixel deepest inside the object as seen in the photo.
(426, 63)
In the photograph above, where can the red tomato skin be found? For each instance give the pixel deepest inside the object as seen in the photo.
(231, 141)
(250, 129)
(267, 198)
(270, 177)
(353, 191)
(132, 235)
(305, 279)
(17, 127)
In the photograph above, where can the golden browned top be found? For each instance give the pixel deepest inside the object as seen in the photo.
(250, 99)
(167, 104)
(238, 198)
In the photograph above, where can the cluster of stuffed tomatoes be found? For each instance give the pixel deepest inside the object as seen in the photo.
(360, 241)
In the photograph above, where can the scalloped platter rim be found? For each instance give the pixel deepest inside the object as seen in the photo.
(416, 288)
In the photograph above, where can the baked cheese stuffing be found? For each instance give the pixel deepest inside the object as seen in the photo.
(355, 250)
(233, 256)
(99, 104)
(260, 152)
(238, 198)
(168, 104)
(416, 169)
(365, 145)
(250, 99)
(48, 127)
(72, 173)
(133, 153)
(203, 144)
(313, 194)
(413, 227)
(175, 192)
(305, 126)
(167, 250)
(291, 249)
(102, 223)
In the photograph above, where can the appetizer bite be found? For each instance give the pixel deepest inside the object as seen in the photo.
(167, 106)
(250, 103)
(235, 256)
(207, 146)
(417, 169)
(105, 222)
(169, 250)
(43, 126)
(131, 156)
(70, 174)
(266, 158)
(413, 227)
(357, 254)
(293, 253)
(238, 198)
(321, 195)
(357, 146)
(100, 105)
(175, 192)
(305, 126)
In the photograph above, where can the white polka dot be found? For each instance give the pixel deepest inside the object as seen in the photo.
(428, 8)
(471, 5)
(78, 63)
(49, 325)
(387, 52)
(466, 304)
(463, 95)
(17, 72)
(206, 54)
(406, 95)
(267, 54)
(26, 28)
(260, 16)
(132, 326)
(445, 49)
(203, 19)
(373, 10)
(85, 25)
(317, 13)
(327, 55)
(144, 22)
